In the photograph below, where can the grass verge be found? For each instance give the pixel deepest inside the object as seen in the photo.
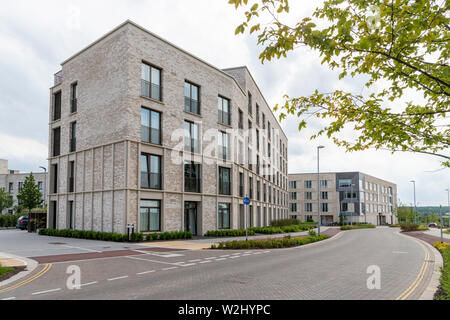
(287, 242)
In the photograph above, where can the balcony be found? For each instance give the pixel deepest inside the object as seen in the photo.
(58, 78)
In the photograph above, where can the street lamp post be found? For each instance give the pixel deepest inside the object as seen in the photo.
(415, 205)
(353, 204)
(318, 188)
(448, 195)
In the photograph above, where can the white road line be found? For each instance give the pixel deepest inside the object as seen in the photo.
(161, 255)
(146, 272)
(235, 257)
(211, 258)
(7, 299)
(258, 253)
(47, 291)
(189, 265)
(148, 260)
(203, 262)
(221, 259)
(118, 278)
(246, 255)
(88, 284)
(196, 260)
(85, 249)
(236, 254)
(225, 256)
(171, 268)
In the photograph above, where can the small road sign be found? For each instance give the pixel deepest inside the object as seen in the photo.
(246, 201)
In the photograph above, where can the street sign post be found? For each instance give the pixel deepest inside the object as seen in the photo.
(246, 203)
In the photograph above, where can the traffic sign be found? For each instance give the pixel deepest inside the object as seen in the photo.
(246, 201)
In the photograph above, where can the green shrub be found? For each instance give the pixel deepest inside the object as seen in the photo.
(228, 233)
(169, 236)
(285, 222)
(269, 243)
(407, 227)
(312, 233)
(90, 235)
(444, 290)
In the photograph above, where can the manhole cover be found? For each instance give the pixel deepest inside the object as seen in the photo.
(57, 243)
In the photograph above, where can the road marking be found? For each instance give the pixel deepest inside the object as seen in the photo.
(146, 272)
(246, 255)
(189, 265)
(118, 278)
(234, 257)
(203, 262)
(85, 249)
(196, 260)
(236, 254)
(44, 270)
(257, 253)
(221, 259)
(399, 252)
(7, 299)
(148, 260)
(225, 256)
(211, 258)
(161, 255)
(88, 284)
(419, 277)
(167, 269)
(47, 291)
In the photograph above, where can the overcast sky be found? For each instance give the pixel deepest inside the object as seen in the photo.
(36, 36)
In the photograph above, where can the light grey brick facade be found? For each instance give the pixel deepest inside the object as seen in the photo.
(107, 190)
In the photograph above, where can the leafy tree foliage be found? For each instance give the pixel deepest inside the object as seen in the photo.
(6, 200)
(404, 42)
(30, 196)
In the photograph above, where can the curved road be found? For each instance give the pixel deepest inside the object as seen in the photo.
(335, 269)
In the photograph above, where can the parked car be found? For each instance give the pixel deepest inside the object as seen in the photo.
(432, 225)
(22, 223)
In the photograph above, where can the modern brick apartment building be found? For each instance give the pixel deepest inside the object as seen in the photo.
(348, 196)
(143, 133)
(12, 181)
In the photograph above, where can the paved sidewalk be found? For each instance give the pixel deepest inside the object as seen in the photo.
(10, 262)
(437, 233)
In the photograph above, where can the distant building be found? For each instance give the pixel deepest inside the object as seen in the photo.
(346, 196)
(12, 181)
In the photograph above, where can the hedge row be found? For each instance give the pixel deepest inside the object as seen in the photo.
(408, 227)
(269, 243)
(285, 229)
(229, 233)
(176, 235)
(289, 222)
(9, 220)
(90, 235)
(444, 290)
(358, 226)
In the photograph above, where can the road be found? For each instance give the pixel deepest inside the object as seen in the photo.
(335, 269)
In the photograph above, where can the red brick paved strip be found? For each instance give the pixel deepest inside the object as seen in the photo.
(97, 255)
(331, 232)
(425, 237)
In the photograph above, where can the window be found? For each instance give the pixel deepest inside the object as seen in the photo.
(224, 181)
(241, 153)
(293, 185)
(324, 184)
(151, 82)
(268, 132)
(71, 181)
(250, 187)
(308, 207)
(250, 159)
(344, 207)
(346, 183)
(258, 190)
(293, 195)
(74, 98)
(224, 111)
(257, 114)
(56, 142)
(324, 195)
(308, 184)
(241, 184)
(192, 177)
(191, 137)
(224, 216)
(224, 145)
(250, 103)
(257, 164)
(20, 186)
(264, 121)
(191, 98)
(150, 216)
(293, 207)
(324, 207)
(241, 120)
(265, 192)
(54, 180)
(57, 106)
(250, 133)
(11, 187)
(40, 186)
(257, 139)
(151, 176)
(73, 137)
(150, 126)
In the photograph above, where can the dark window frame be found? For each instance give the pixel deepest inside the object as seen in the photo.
(225, 189)
(74, 97)
(57, 105)
(150, 132)
(149, 215)
(189, 108)
(150, 83)
(146, 176)
(221, 116)
(189, 177)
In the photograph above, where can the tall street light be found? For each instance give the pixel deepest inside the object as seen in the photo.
(318, 188)
(448, 194)
(415, 205)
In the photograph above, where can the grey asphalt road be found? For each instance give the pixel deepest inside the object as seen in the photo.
(331, 270)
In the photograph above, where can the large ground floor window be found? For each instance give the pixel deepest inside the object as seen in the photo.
(224, 216)
(150, 216)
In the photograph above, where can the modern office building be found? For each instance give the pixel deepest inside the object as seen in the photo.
(12, 181)
(143, 133)
(350, 197)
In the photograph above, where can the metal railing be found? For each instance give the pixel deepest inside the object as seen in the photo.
(151, 90)
(58, 78)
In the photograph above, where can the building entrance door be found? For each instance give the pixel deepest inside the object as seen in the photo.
(190, 217)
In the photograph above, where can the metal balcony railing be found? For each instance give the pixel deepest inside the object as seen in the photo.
(151, 90)
(58, 78)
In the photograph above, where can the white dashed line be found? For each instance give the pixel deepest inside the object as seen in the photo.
(47, 291)
(221, 259)
(258, 253)
(211, 258)
(246, 255)
(118, 278)
(188, 265)
(7, 299)
(88, 284)
(236, 254)
(196, 260)
(146, 272)
(166, 269)
(203, 262)
(234, 257)
(225, 256)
